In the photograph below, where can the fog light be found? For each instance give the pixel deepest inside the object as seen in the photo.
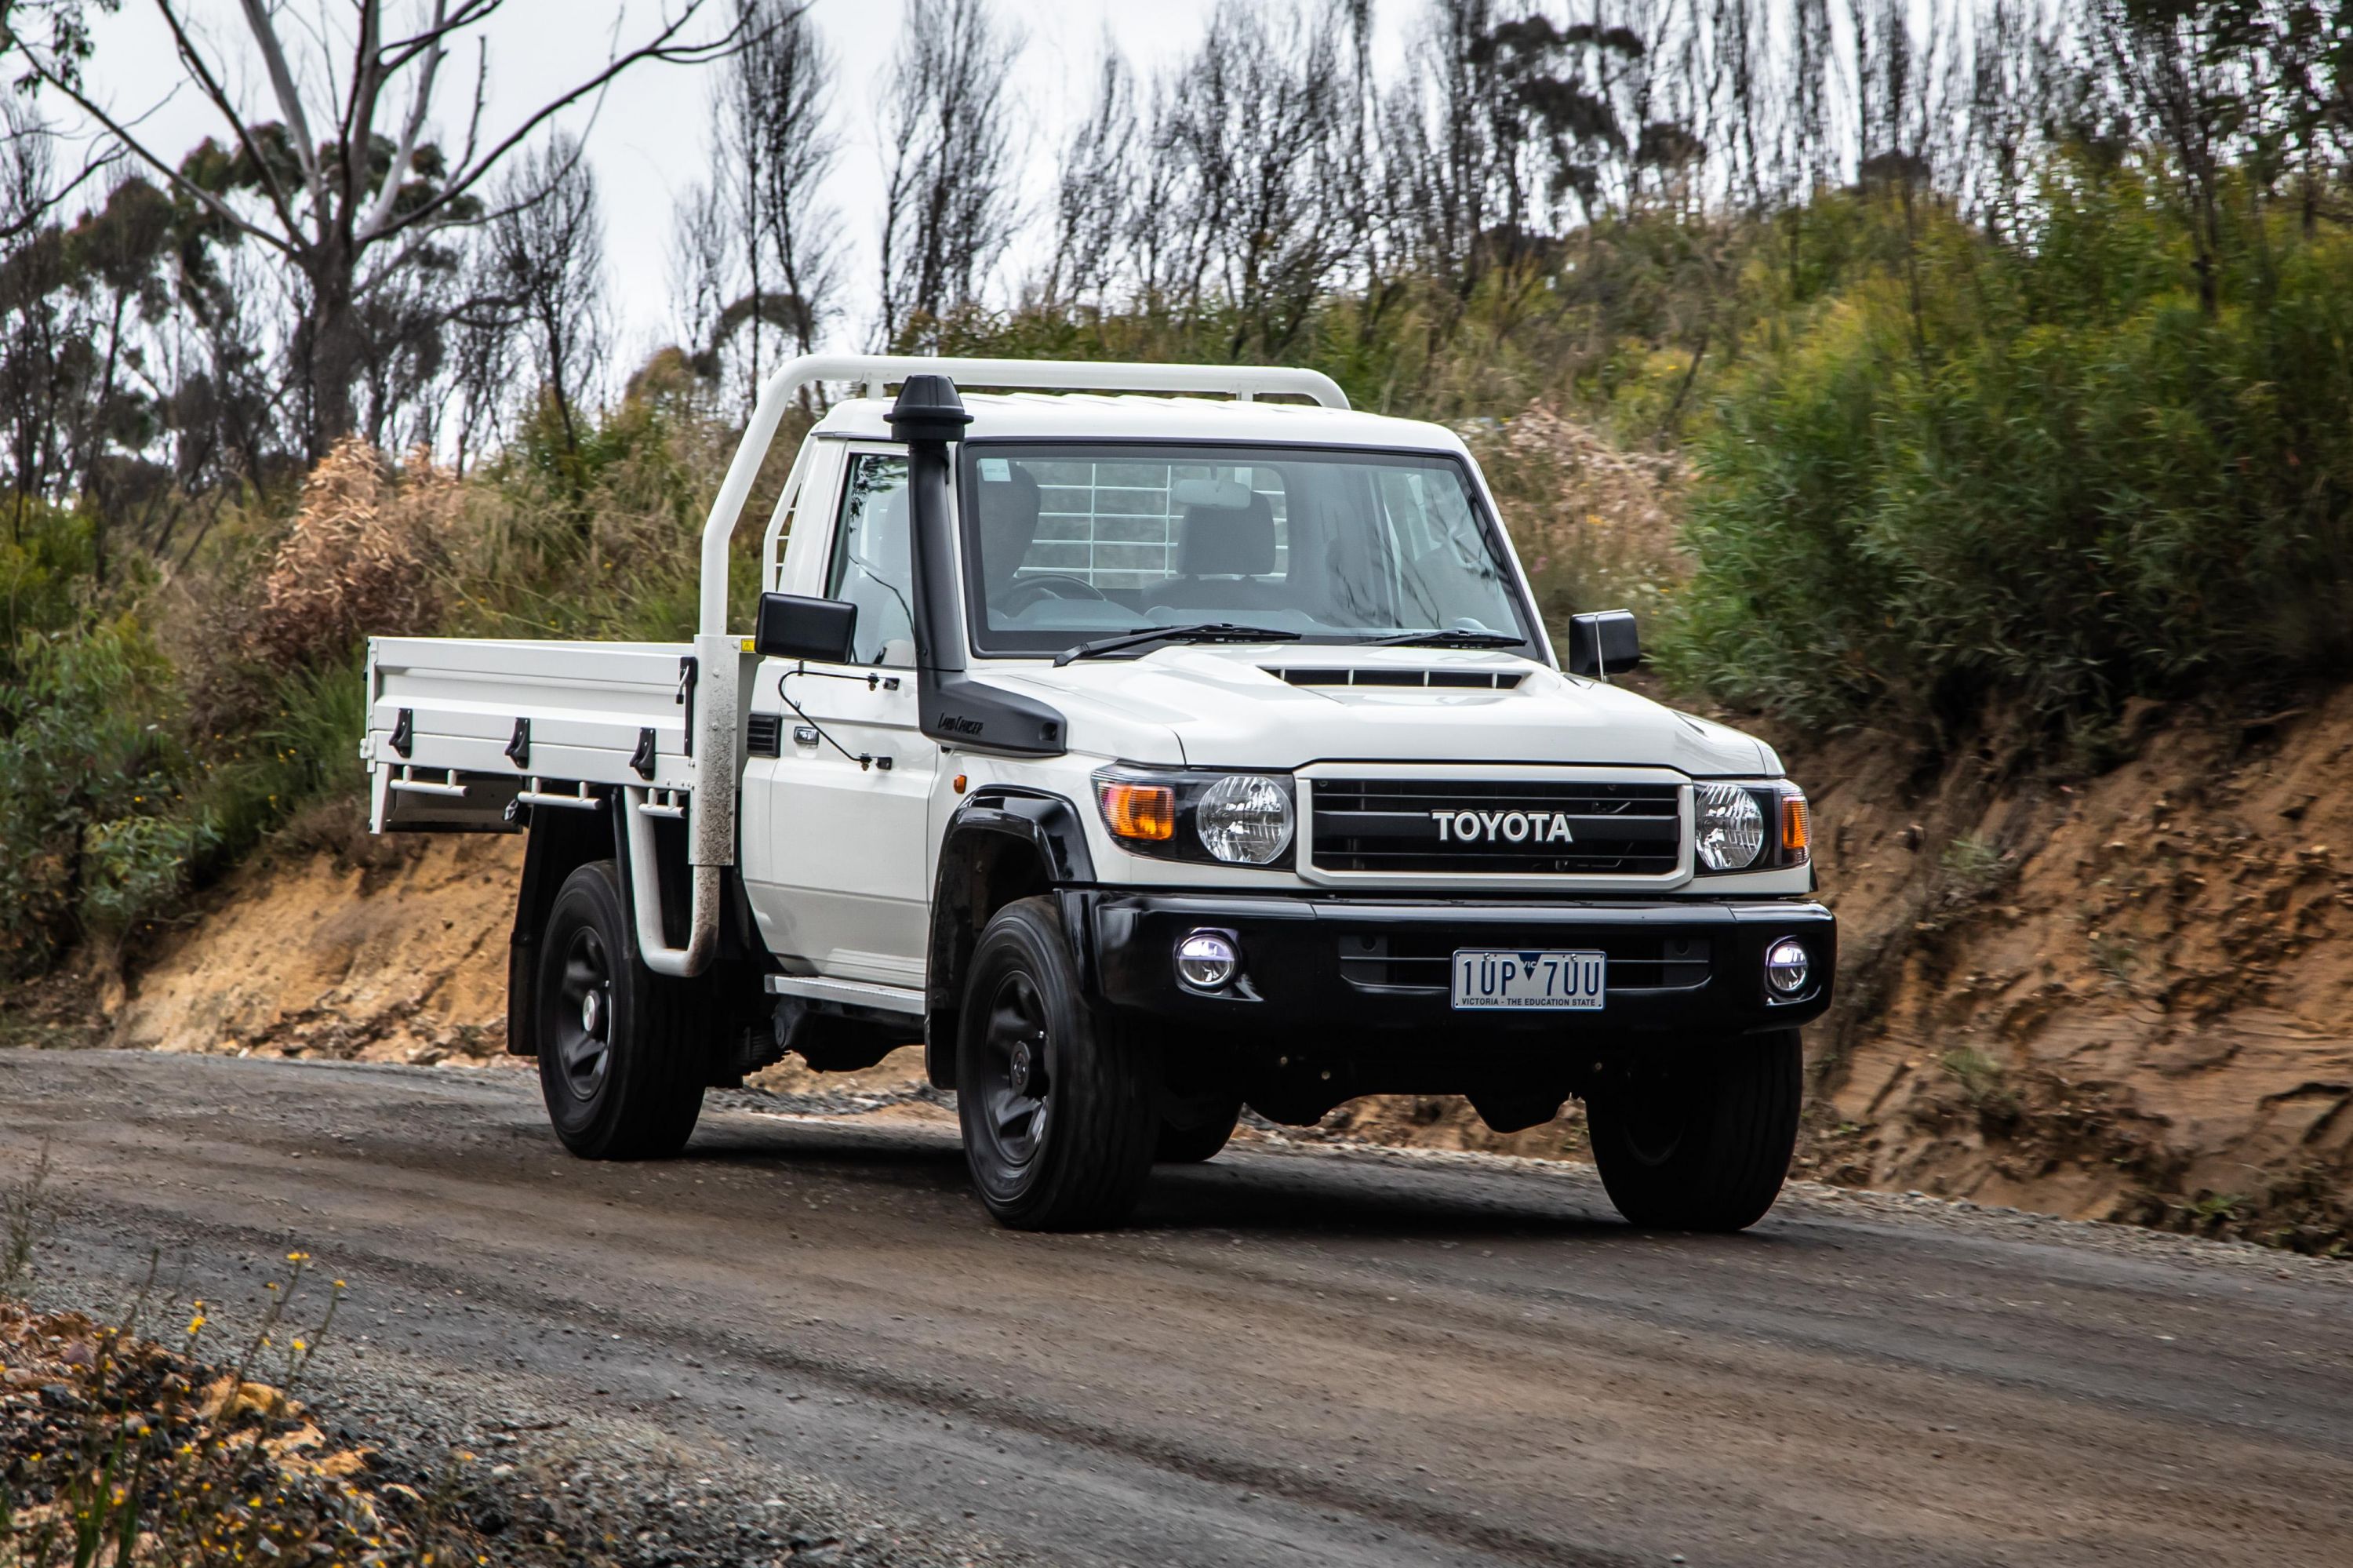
(1786, 967)
(1206, 961)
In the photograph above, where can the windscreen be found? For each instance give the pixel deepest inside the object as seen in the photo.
(1067, 543)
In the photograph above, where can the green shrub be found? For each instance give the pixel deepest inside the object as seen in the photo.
(2035, 474)
(45, 558)
(303, 746)
(86, 755)
(134, 867)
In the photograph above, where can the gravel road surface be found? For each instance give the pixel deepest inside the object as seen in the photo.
(1295, 1355)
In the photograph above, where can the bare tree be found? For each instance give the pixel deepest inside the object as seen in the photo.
(700, 273)
(949, 200)
(2194, 75)
(1448, 172)
(544, 268)
(2013, 50)
(40, 322)
(1095, 191)
(352, 209)
(1264, 200)
(783, 76)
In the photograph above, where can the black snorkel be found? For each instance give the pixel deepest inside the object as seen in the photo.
(954, 709)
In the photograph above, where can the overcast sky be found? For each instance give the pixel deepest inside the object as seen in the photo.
(652, 138)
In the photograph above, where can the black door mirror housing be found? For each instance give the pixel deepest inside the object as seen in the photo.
(1603, 643)
(794, 627)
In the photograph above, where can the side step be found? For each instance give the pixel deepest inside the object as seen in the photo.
(849, 993)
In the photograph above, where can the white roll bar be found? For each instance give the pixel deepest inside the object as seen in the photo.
(875, 372)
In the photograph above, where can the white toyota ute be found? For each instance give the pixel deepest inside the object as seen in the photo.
(1148, 747)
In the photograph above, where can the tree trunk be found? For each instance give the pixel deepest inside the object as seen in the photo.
(335, 347)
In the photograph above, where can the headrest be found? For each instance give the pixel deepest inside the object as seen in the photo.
(1008, 520)
(1228, 542)
(1010, 502)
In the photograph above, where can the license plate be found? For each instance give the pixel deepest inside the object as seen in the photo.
(1562, 981)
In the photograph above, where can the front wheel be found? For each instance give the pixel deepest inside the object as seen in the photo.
(1704, 1145)
(1056, 1101)
(620, 1048)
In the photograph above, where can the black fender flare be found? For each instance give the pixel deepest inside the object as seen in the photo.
(556, 844)
(1043, 834)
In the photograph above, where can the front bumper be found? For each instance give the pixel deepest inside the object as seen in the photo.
(1379, 967)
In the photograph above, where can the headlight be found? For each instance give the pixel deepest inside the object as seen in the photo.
(1182, 813)
(1731, 827)
(1244, 817)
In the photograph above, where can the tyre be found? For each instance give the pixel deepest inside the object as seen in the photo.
(1195, 1128)
(1056, 1101)
(1705, 1145)
(621, 1049)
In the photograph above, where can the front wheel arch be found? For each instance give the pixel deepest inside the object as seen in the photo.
(1002, 846)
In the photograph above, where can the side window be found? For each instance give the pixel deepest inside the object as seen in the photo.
(870, 559)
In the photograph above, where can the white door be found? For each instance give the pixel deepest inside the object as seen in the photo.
(848, 852)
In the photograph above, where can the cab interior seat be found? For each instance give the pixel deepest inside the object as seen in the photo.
(1221, 552)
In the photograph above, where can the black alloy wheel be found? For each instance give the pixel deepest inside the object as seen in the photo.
(1056, 1098)
(1018, 1096)
(622, 1050)
(583, 1014)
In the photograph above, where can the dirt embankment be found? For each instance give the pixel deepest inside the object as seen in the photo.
(2115, 999)
(399, 958)
(2128, 998)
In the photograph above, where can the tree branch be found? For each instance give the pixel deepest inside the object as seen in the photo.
(212, 88)
(38, 212)
(660, 48)
(146, 155)
(410, 133)
(444, 27)
(290, 103)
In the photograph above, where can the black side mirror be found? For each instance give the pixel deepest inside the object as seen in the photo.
(792, 626)
(1603, 643)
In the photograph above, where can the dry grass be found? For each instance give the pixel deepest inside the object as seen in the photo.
(1596, 523)
(359, 557)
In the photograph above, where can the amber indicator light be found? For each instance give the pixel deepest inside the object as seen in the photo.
(1140, 811)
(1794, 824)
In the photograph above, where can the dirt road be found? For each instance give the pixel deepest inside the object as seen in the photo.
(1295, 1356)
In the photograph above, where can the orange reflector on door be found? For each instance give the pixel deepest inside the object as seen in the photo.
(1139, 810)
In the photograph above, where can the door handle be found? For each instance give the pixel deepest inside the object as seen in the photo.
(805, 735)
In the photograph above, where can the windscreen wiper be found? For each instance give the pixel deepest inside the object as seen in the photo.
(1207, 631)
(1447, 637)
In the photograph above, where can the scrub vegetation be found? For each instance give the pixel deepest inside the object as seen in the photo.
(1948, 367)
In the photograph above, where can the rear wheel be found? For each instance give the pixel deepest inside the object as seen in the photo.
(620, 1048)
(1196, 1128)
(1056, 1101)
(1705, 1145)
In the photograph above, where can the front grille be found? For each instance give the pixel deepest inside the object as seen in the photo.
(1497, 828)
(1418, 961)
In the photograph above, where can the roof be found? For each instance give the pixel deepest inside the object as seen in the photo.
(1081, 414)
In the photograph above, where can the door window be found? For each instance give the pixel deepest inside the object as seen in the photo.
(871, 559)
